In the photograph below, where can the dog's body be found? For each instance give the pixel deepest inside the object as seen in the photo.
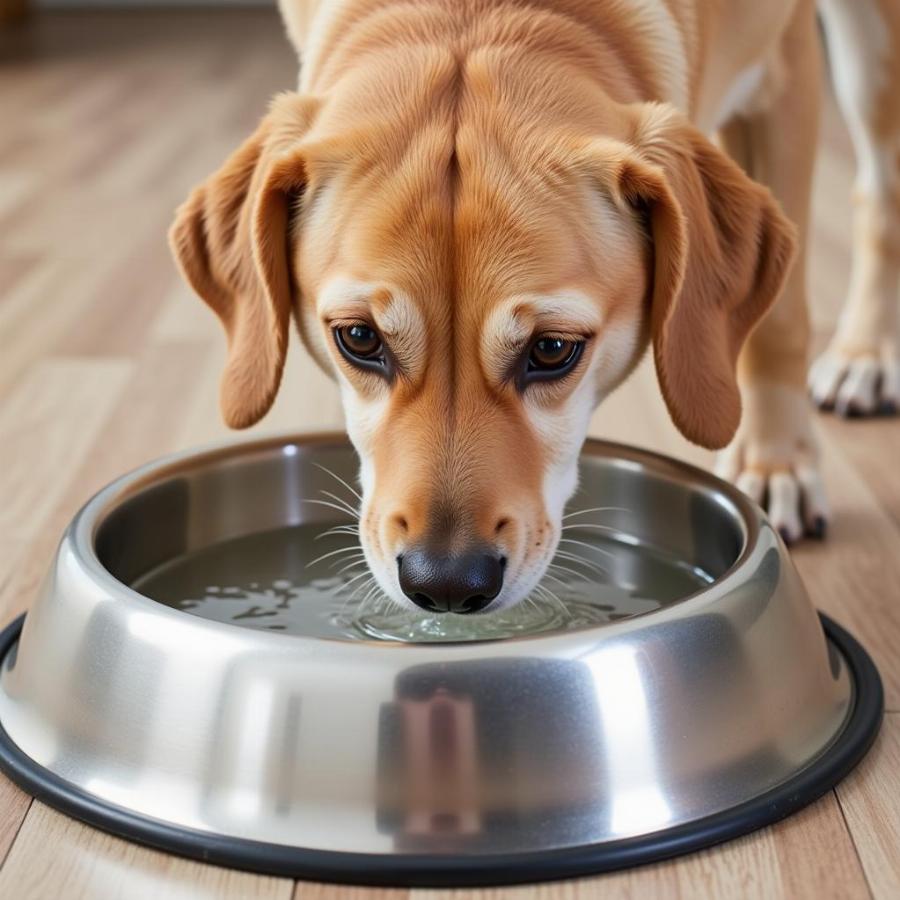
(480, 212)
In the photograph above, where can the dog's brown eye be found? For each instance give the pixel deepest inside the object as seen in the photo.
(550, 353)
(359, 340)
(549, 358)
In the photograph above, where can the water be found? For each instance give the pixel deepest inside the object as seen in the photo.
(275, 581)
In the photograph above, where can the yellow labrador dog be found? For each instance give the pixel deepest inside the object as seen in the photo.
(481, 212)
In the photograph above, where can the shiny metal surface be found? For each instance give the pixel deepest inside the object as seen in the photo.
(517, 745)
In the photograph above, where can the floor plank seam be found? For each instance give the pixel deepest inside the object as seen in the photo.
(15, 837)
(859, 859)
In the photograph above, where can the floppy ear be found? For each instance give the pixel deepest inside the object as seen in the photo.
(230, 239)
(722, 250)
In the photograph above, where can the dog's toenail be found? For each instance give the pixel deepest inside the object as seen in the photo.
(785, 535)
(819, 528)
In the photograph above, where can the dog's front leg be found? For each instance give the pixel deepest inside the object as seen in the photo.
(859, 373)
(774, 454)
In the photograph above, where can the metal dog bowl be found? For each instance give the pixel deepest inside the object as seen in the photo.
(702, 698)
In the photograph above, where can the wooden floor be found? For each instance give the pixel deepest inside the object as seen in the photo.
(106, 360)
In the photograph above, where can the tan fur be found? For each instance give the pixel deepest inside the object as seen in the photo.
(230, 239)
(449, 164)
(722, 249)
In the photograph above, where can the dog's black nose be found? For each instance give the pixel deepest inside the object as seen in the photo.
(465, 583)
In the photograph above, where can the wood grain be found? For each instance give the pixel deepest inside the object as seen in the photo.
(306, 890)
(48, 424)
(870, 799)
(55, 856)
(107, 360)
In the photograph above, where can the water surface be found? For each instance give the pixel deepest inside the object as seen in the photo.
(278, 581)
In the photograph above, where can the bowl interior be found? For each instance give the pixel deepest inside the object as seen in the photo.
(264, 536)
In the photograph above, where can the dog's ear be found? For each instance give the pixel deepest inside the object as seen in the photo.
(231, 241)
(722, 249)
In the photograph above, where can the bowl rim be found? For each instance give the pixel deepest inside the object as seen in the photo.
(83, 528)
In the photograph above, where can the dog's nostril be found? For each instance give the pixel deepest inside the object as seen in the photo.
(424, 601)
(474, 604)
(401, 523)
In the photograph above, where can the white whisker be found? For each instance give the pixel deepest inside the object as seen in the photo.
(594, 570)
(575, 558)
(338, 530)
(347, 506)
(341, 480)
(577, 526)
(371, 597)
(360, 554)
(547, 594)
(592, 509)
(330, 553)
(555, 577)
(355, 578)
(561, 568)
(366, 585)
(593, 547)
(327, 503)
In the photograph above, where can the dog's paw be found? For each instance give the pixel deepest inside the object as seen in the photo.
(856, 385)
(773, 459)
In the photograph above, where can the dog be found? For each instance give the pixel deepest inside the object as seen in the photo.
(480, 213)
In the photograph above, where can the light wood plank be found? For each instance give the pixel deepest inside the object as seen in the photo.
(47, 426)
(55, 856)
(870, 799)
(137, 429)
(14, 805)
(308, 890)
(863, 443)
(854, 575)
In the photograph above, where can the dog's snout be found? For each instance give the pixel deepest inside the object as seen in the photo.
(462, 583)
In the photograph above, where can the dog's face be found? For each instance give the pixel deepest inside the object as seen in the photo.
(475, 300)
(472, 328)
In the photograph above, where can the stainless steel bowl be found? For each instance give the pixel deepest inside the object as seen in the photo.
(541, 755)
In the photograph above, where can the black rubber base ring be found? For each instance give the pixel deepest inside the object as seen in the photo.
(424, 870)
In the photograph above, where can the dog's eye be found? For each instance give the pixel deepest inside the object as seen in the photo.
(359, 341)
(552, 357)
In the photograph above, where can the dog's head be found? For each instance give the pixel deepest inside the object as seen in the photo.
(476, 286)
